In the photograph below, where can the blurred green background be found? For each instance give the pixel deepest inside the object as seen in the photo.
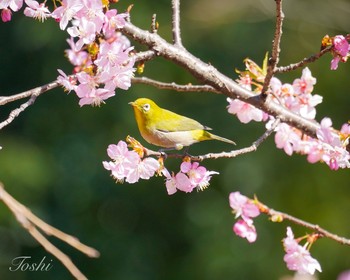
(52, 154)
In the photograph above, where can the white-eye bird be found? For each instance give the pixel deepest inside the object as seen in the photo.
(167, 129)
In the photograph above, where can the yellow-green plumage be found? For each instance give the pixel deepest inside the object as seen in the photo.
(167, 129)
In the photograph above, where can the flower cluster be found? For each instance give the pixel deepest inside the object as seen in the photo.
(127, 165)
(101, 55)
(245, 209)
(340, 48)
(298, 257)
(131, 165)
(328, 147)
(191, 176)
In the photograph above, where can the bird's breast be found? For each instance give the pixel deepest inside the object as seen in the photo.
(169, 139)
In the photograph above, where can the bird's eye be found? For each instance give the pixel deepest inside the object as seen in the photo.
(146, 107)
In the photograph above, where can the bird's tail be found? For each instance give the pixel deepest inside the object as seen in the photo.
(219, 138)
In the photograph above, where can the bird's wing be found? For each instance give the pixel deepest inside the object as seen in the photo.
(169, 121)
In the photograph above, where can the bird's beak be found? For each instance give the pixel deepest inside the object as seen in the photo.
(132, 104)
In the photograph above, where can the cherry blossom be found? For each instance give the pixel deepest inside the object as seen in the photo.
(245, 230)
(190, 177)
(36, 10)
(75, 56)
(198, 175)
(112, 21)
(345, 275)
(111, 54)
(244, 111)
(92, 96)
(242, 206)
(246, 209)
(92, 12)
(122, 162)
(66, 12)
(144, 169)
(334, 62)
(326, 134)
(180, 181)
(14, 5)
(340, 51)
(204, 182)
(117, 78)
(85, 30)
(170, 181)
(297, 257)
(127, 165)
(88, 90)
(341, 45)
(306, 83)
(286, 138)
(67, 82)
(194, 171)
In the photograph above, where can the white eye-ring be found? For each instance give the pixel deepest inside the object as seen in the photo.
(146, 107)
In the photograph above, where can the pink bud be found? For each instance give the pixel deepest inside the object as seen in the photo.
(6, 15)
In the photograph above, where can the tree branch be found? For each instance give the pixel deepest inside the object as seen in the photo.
(30, 222)
(176, 23)
(324, 233)
(173, 86)
(211, 76)
(48, 246)
(273, 60)
(33, 93)
(144, 56)
(303, 62)
(15, 113)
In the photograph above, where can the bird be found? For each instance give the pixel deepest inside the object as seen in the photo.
(166, 129)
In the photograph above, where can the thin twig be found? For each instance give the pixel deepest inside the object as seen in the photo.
(176, 23)
(273, 213)
(50, 230)
(232, 154)
(303, 62)
(154, 24)
(15, 113)
(30, 222)
(173, 86)
(273, 60)
(62, 257)
(35, 91)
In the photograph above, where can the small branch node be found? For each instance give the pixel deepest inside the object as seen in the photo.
(154, 24)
